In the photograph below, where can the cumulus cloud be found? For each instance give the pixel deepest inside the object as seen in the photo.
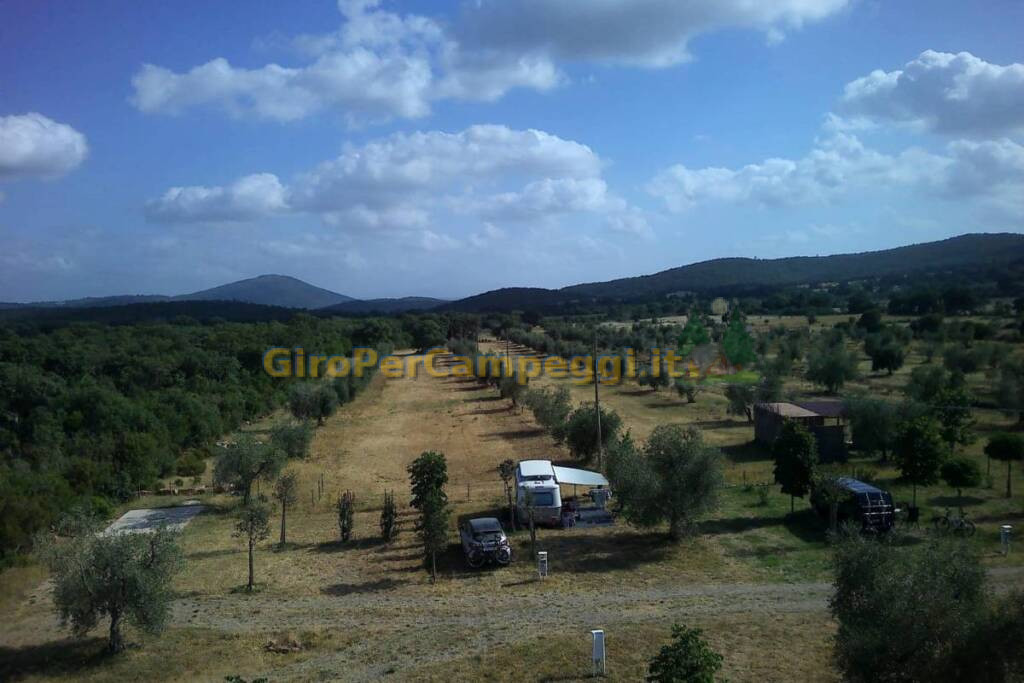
(382, 64)
(947, 93)
(250, 197)
(34, 146)
(988, 171)
(647, 33)
(405, 181)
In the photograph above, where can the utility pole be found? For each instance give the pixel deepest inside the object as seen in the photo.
(597, 406)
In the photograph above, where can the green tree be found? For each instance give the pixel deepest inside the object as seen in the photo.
(796, 456)
(245, 461)
(507, 472)
(687, 658)
(873, 423)
(689, 389)
(389, 518)
(885, 351)
(1007, 448)
(513, 388)
(1011, 388)
(581, 430)
(737, 344)
(314, 400)
(551, 408)
(675, 478)
(919, 452)
(925, 382)
(741, 399)
(346, 509)
(951, 408)
(433, 528)
(286, 491)
(428, 474)
(293, 439)
(902, 612)
(253, 525)
(831, 366)
(960, 473)
(125, 577)
(694, 334)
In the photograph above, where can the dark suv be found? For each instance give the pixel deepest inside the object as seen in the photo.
(483, 540)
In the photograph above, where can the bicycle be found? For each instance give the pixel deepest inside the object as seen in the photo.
(958, 526)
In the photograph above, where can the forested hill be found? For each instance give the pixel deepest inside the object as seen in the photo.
(271, 290)
(399, 305)
(724, 273)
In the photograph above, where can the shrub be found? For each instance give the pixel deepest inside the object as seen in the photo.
(687, 658)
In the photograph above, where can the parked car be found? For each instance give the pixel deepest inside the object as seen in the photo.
(483, 541)
(869, 505)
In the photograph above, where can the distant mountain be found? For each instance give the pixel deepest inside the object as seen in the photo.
(400, 305)
(144, 312)
(270, 290)
(955, 252)
(93, 301)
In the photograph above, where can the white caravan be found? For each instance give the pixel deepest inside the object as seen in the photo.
(539, 480)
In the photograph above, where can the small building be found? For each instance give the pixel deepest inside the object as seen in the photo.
(826, 420)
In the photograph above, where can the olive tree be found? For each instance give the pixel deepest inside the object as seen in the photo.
(904, 612)
(741, 399)
(674, 478)
(1006, 447)
(432, 527)
(245, 461)
(960, 473)
(313, 400)
(919, 451)
(293, 440)
(286, 491)
(253, 525)
(581, 430)
(125, 577)
(831, 366)
(796, 455)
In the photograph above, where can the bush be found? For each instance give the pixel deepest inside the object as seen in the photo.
(687, 658)
(581, 430)
(293, 440)
(190, 464)
(346, 507)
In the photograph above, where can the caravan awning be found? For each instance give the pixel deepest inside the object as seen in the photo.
(570, 475)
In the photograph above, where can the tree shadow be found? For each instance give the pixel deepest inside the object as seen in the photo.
(746, 452)
(721, 424)
(661, 404)
(516, 434)
(481, 398)
(206, 554)
(487, 411)
(338, 546)
(954, 502)
(593, 553)
(737, 525)
(635, 392)
(806, 525)
(68, 656)
(380, 585)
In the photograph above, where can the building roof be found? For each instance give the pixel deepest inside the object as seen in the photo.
(571, 475)
(825, 408)
(857, 486)
(786, 409)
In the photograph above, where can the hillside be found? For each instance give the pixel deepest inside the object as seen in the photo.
(399, 305)
(952, 253)
(270, 290)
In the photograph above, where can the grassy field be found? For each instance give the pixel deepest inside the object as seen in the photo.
(754, 577)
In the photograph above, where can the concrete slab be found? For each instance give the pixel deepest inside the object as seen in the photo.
(148, 520)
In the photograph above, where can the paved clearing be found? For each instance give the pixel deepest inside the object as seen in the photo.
(147, 520)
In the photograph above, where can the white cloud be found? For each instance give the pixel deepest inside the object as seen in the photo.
(647, 33)
(401, 182)
(32, 145)
(942, 92)
(382, 64)
(837, 165)
(253, 196)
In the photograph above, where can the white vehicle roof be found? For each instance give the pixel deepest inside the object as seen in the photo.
(536, 468)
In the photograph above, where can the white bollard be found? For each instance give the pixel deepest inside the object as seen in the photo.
(1004, 537)
(542, 563)
(598, 657)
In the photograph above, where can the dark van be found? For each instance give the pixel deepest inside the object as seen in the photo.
(864, 503)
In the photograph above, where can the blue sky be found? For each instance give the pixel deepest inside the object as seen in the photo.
(443, 149)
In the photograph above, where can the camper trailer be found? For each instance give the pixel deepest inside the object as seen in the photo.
(863, 503)
(539, 481)
(536, 486)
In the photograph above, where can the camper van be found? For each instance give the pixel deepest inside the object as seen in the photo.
(535, 479)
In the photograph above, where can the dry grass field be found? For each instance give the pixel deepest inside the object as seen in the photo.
(755, 578)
